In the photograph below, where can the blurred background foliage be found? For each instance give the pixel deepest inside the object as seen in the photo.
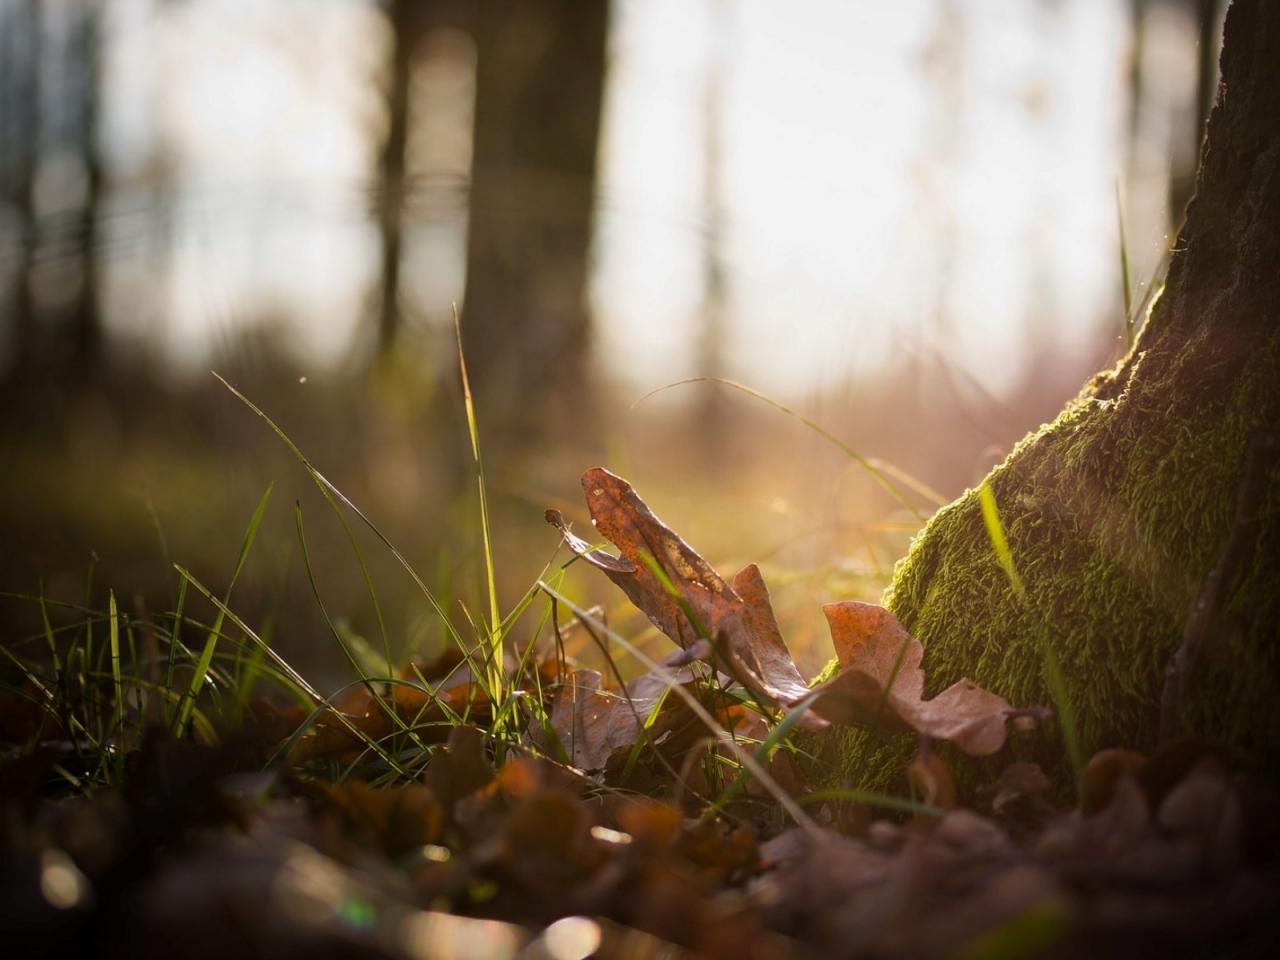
(900, 219)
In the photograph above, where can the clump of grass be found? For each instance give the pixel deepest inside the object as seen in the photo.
(203, 692)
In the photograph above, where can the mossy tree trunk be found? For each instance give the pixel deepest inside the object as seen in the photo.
(1118, 512)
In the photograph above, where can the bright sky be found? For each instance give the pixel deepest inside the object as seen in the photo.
(883, 190)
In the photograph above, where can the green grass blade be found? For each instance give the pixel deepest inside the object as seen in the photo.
(1126, 284)
(48, 632)
(361, 675)
(999, 543)
(175, 643)
(495, 637)
(1054, 679)
(113, 627)
(206, 655)
(633, 757)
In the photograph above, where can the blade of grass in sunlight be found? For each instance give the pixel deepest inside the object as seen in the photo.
(248, 670)
(1126, 284)
(866, 463)
(113, 628)
(495, 640)
(206, 655)
(999, 543)
(1052, 667)
(717, 731)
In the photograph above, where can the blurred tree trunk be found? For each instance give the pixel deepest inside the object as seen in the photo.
(1145, 520)
(539, 86)
(19, 92)
(85, 312)
(404, 34)
(409, 22)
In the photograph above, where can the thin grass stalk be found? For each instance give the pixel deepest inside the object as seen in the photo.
(495, 634)
(865, 463)
(1050, 664)
(206, 655)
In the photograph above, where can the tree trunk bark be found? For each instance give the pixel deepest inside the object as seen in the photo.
(1130, 517)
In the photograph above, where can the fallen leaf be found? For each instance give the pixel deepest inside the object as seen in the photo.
(597, 727)
(459, 768)
(881, 684)
(592, 724)
(759, 648)
(392, 819)
(645, 541)
(710, 619)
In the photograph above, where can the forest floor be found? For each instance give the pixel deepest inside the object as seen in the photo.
(172, 786)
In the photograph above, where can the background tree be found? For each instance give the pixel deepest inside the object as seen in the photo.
(405, 19)
(19, 109)
(52, 181)
(539, 84)
(1145, 520)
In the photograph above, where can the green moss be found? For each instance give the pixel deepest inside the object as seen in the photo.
(1115, 514)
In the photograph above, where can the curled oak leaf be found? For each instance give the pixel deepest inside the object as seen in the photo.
(685, 597)
(881, 684)
(646, 543)
(597, 558)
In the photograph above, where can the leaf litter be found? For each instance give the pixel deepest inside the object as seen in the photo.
(613, 829)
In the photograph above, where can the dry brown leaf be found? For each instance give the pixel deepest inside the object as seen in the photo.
(627, 522)
(459, 768)
(758, 647)
(592, 724)
(394, 819)
(881, 684)
(747, 641)
(414, 708)
(1018, 799)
